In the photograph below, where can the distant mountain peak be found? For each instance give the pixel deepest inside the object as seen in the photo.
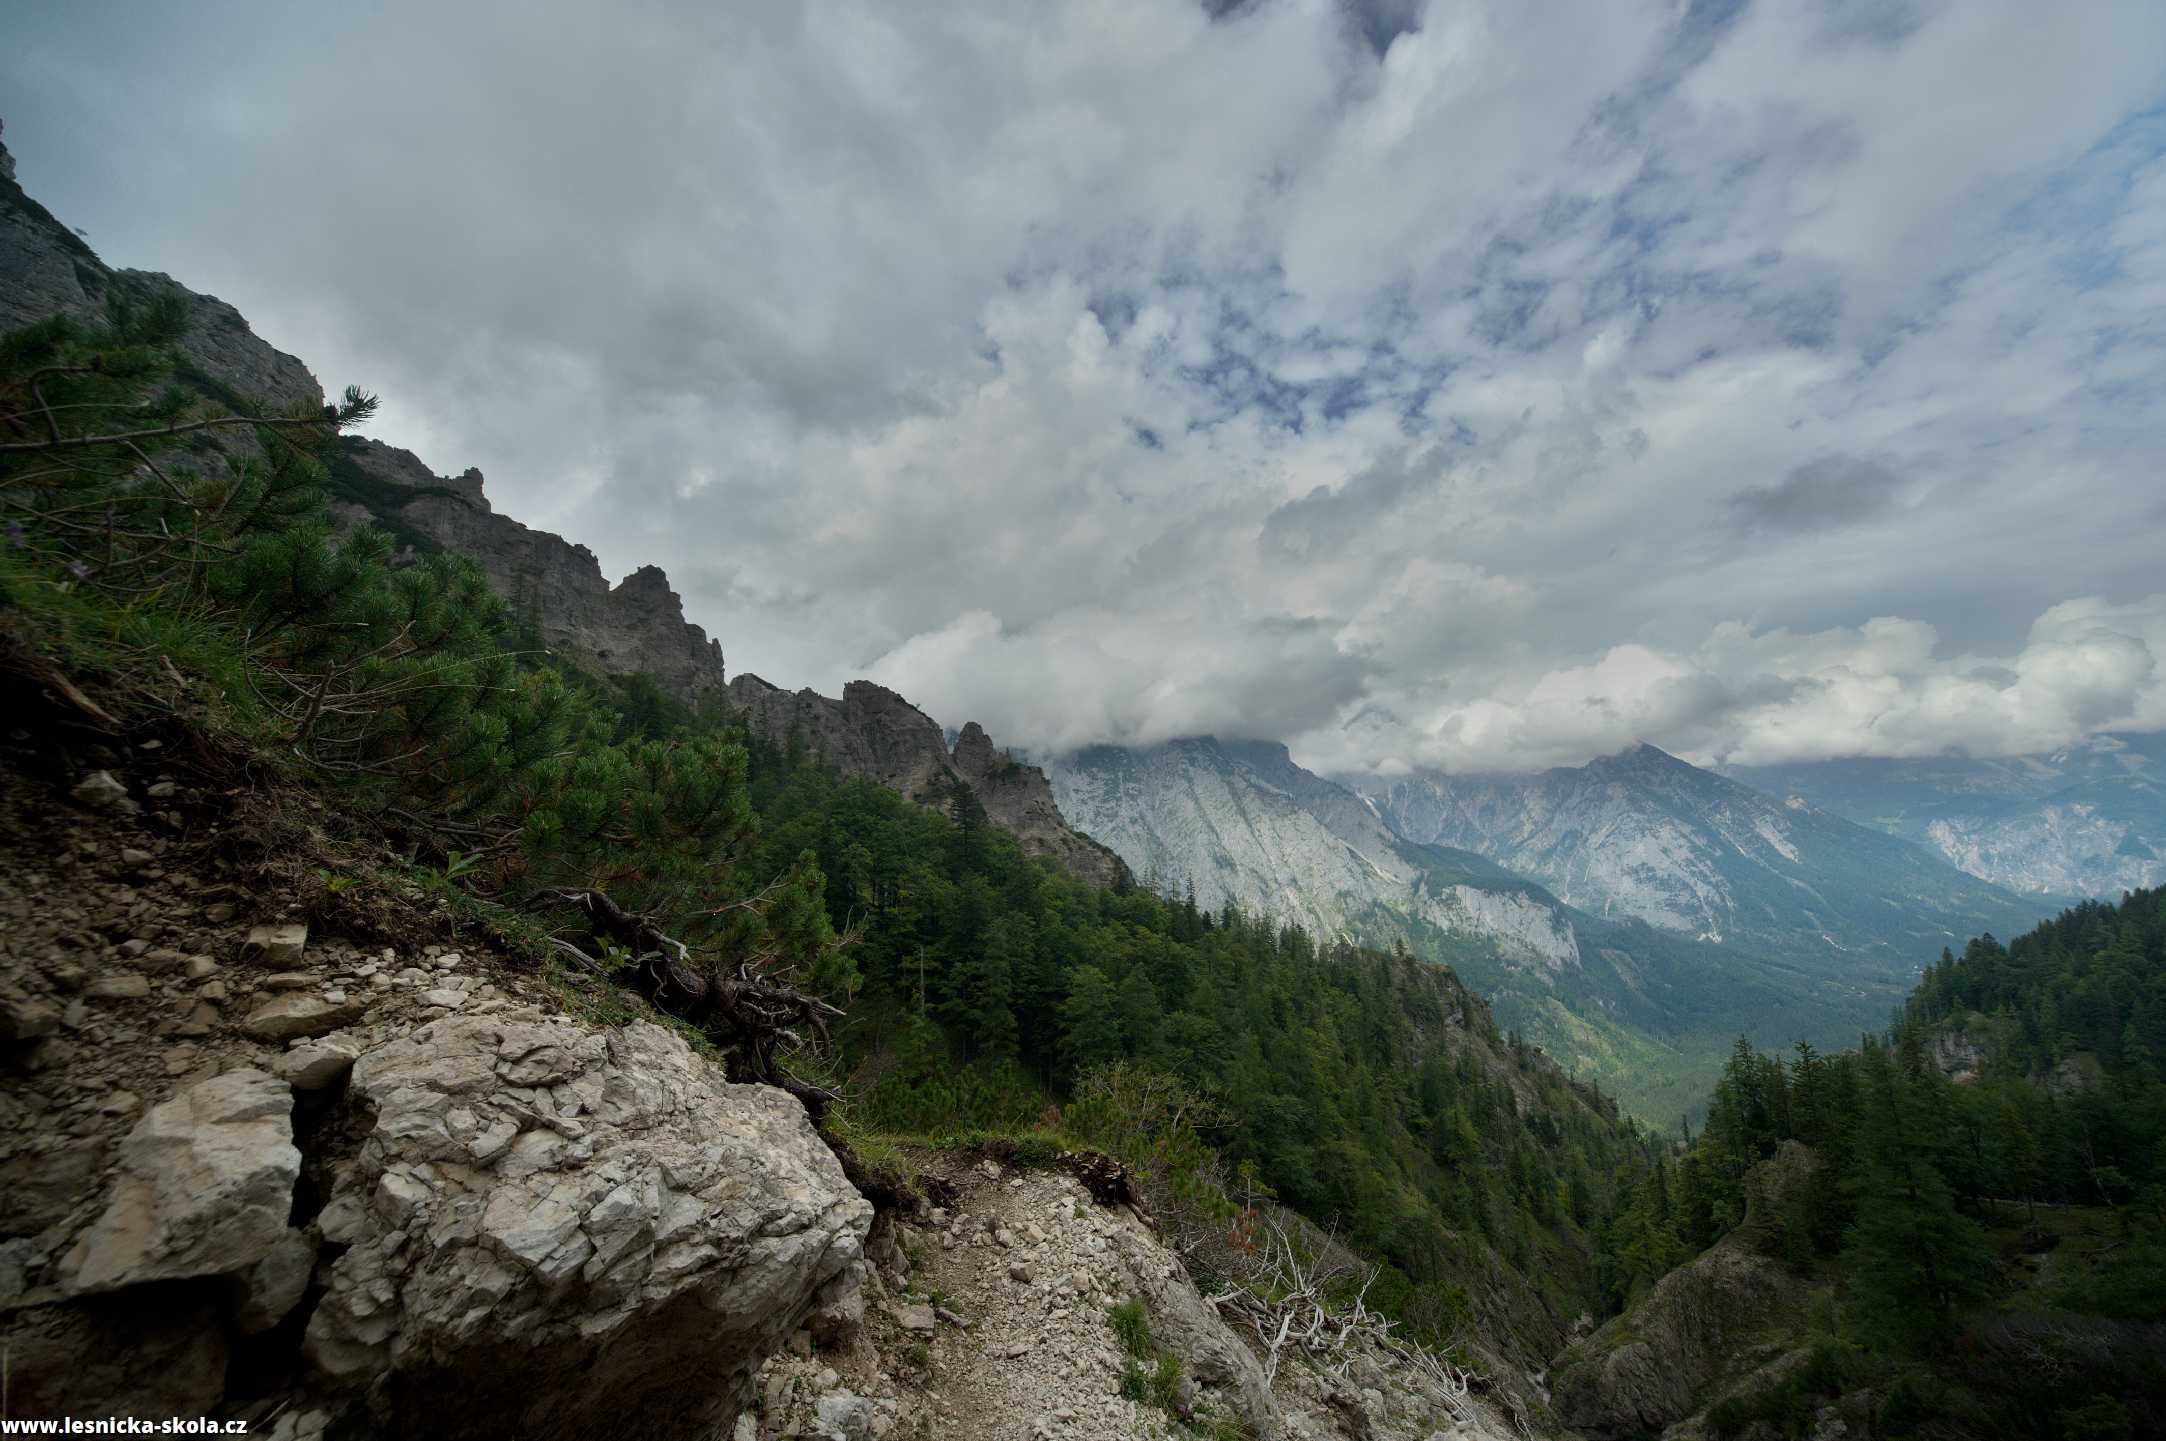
(1640, 755)
(1643, 833)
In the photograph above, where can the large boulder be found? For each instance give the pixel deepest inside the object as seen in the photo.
(558, 1232)
(203, 1188)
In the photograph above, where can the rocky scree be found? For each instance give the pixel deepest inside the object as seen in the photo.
(986, 1318)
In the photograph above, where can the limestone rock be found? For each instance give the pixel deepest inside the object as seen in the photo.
(126, 986)
(1183, 1320)
(203, 1187)
(314, 1065)
(101, 790)
(603, 1206)
(835, 1325)
(1656, 1364)
(277, 944)
(266, 1292)
(915, 1318)
(297, 1014)
(844, 1416)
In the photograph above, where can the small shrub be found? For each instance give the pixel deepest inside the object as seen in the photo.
(1166, 1381)
(1132, 1324)
(1036, 1149)
(1135, 1382)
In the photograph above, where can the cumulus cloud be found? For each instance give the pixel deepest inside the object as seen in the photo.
(1748, 697)
(1452, 383)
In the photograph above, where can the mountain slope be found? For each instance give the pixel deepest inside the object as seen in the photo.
(1241, 823)
(1643, 834)
(1649, 1013)
(2086, 821)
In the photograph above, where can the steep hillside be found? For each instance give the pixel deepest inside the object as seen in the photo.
(1643, 834)
(2086, 821)
(555, 588)
(377, 1004)
(1647, 1012)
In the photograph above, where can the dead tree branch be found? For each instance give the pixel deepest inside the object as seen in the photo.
(740, 1011)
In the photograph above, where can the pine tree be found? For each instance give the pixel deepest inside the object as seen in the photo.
(1912, 1260)
(1090, 1021)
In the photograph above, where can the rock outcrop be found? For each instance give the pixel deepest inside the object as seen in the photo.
(875, 734)
(552, 586)
(1713, 1322)
(204, 1186)
(599, 1205)
(1655, 1365)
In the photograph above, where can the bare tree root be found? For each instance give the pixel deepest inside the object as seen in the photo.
(745, 1015)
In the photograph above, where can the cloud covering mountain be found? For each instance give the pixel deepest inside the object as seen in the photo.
(1462, 385)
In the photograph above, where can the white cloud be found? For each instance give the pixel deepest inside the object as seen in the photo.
(1885, 688)
(1554, 379)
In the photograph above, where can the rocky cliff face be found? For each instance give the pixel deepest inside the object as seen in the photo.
(875, 734)
(1240, 822)
(1648, 1012)
(553, 586)
(1730, 1319)
(46, 269)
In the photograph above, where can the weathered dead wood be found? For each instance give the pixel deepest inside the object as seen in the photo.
(1283, 1297)
(749, 1016)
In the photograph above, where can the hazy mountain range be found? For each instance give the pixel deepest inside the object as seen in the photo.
(1634, 913)
(1631, 916)
(2089, 820)
(1644, 834)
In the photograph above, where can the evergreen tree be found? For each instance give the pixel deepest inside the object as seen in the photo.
(1911, 1260)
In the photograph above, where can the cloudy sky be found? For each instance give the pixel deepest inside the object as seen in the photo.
(1461, 384)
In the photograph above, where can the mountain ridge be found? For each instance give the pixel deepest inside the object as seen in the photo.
(554, 587)
(2085, 820)
(874, 734)
(1642, 833)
